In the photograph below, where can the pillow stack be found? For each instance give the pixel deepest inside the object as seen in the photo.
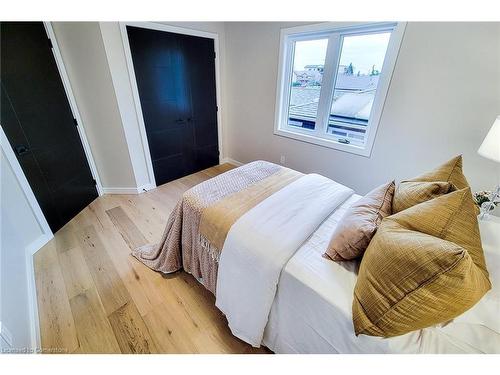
(424, 266)
(423, 261)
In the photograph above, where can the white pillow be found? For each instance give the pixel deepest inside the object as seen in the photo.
(487, 310)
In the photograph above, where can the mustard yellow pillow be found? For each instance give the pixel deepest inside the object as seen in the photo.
(442, 180)
(451, 171)
(425, 265)
(409, 193)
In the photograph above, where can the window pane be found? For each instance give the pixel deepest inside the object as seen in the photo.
(308, 63)
(361, 61)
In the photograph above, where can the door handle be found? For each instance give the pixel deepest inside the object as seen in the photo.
(21, 149)
(183, 121)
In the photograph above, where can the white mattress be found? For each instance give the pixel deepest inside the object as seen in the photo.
(311, 312)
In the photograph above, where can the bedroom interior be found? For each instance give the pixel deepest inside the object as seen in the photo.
(249, 187)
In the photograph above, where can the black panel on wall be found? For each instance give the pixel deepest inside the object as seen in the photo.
(176, 82)
(37, 120)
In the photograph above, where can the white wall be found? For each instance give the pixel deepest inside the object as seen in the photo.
(84, 57)
(19, 230)
(112, 38)
(444, 96)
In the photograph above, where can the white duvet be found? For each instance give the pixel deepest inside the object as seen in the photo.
(281, 240)
(260, 244)
(312, 310)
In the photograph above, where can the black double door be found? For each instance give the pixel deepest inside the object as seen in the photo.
(175, 76)
(38, 122)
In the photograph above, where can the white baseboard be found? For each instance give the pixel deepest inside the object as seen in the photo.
(30, 251)
(119, 190)
(231, 161)
(127, 190)
(147, 187)
(143, 188)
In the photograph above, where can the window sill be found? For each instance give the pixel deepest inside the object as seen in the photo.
(357, 150)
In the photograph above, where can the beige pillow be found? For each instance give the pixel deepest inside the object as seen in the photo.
(425, 265)
(442, 180)
(358, 225)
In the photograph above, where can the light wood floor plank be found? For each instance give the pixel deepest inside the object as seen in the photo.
(199, 302)
(158, 204)
(146, 207)
(169, 330)
(108, 283)
(128, 230)
(85, 218)
(131, 331)
(223, 167)
(148, 223)
(94, 297)
(57, 327)
(75, 271)
(65, 240)
(95, 334)
(164, 202)
(138, 279)
(98, 209)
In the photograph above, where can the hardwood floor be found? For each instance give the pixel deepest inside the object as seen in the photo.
(94, 297)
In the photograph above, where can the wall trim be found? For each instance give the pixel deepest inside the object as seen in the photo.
(119, 190)
(128, 190)
(146, 187)
(30, 252)
(135, 91)
(231, 161)
(72, 103)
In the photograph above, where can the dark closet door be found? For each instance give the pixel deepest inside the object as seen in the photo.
(37, 120)
(176, 81)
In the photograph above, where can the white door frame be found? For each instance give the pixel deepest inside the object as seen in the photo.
(37, 244)
(25, 186)
(72, 103)
(135, 90)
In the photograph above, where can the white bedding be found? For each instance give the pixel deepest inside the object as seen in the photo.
(311, 312)
(260, 244)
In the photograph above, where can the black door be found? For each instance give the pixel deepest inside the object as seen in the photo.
(176, 80)
(37, 119)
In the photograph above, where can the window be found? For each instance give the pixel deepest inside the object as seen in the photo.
(333, 82)
(308, 63)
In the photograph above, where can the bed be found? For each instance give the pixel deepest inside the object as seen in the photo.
(312, 313)
(254, 237)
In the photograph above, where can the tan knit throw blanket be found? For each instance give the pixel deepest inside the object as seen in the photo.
(198, 225)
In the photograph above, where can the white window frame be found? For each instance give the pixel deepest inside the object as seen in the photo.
(333, 32)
